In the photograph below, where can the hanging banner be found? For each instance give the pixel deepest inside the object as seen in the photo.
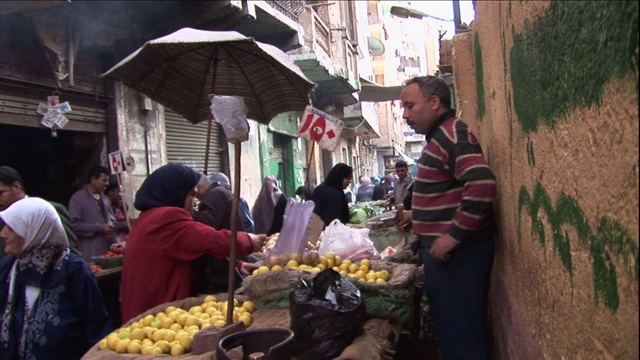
(321, 127)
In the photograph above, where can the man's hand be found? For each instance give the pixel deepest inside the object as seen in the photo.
(246, 268)
(442, 246)
(403, 220)
(257, 241)
(109, 229)
(117, 247)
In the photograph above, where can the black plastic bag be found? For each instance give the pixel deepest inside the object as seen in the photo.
(326, 316)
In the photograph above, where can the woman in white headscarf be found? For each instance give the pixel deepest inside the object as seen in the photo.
(50, 304)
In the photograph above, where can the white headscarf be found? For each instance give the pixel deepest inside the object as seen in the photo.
(37, 222)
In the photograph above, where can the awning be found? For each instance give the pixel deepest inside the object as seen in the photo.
(371, 91)
(410, 161)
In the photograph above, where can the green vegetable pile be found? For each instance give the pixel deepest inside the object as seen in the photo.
(360, 212)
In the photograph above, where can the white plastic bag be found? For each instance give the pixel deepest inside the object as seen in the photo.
(346, 242)
(231, 113)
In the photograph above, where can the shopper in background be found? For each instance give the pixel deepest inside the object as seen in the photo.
(265, 205)
(91, 215)
(330, 201)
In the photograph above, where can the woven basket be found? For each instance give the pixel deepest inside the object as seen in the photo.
(108, 262)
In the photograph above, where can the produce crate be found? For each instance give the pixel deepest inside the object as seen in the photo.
(108, 262)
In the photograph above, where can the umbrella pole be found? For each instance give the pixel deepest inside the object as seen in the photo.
(313, 143)
(206, 151)
(234, 229)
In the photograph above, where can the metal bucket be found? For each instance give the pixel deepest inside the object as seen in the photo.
(272, 343)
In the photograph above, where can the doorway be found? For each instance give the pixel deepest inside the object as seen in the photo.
(52, 168)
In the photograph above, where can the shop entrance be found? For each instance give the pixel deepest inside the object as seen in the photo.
(51, 167)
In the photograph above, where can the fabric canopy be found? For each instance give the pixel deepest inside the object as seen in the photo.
(371, 91)
(410, 161)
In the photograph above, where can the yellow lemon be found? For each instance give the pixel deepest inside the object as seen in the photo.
(246, 319)
(158, 335)
(291, 264)
(321, 266)
(112, 340)
(219, 323)
(365, 262)
(338, 260)
(156, 351)
(352, 268)
(169, 335)
(323, 261)
(136, 325)
(164, 345)
(210, 298)
(276, 267)
(134, 347)
(167, 322)
(192, 320)
(170, 309)
(102, 345)
(249, 306)
(121, 346)
(195, 310)
(138, 334)
(330, 256)
(175, 327)
(262, 269)
(161, 315)
(146, 321)
(384, 274)
(147, 349)
(176, 350)
(360, 274)
(364, 268)
(371, 276)
(380, 281)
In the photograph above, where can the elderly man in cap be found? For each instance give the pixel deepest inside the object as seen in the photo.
(214, 210)
(12, 190)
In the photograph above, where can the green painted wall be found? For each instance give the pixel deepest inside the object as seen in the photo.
(552, 76)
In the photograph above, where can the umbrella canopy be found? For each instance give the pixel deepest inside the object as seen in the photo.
(181, 70)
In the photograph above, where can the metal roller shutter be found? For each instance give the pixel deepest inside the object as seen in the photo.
(186, 142)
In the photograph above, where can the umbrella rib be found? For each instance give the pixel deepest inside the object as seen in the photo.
(271, 59)
(255, 95)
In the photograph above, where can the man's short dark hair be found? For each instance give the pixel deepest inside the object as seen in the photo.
(96, 171)
(9, 175)
(431, 85)
(401, 164)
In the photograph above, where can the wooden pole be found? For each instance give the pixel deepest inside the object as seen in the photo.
(124, 200)
(234, 228)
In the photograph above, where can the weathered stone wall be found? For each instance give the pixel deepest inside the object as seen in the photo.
(551, 88)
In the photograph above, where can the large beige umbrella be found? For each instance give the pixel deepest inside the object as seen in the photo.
(183, 69)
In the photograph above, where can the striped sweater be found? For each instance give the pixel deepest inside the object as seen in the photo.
(454, 187)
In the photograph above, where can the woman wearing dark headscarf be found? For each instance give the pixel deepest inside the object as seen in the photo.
(165, 241)
(50, 303)
(329, 198)
(265, 206)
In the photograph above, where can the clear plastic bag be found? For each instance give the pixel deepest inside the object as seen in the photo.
(348, 243)
(292, 240)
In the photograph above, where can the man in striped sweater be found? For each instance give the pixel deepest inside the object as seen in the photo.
(452, 214)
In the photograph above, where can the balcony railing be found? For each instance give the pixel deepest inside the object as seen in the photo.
(290, 8)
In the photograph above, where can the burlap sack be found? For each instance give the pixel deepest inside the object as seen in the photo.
(204, 342)
(257, 286)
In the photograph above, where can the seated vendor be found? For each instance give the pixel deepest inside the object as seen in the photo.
(165, 241)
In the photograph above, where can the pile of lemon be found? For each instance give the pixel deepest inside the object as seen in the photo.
(172, 331)
(361, 271)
